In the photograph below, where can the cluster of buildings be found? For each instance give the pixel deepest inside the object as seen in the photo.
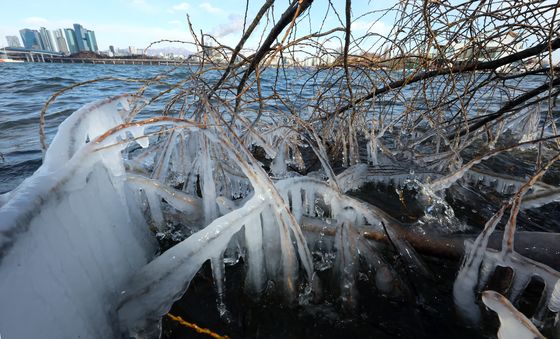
(119, 52)
(66, 41)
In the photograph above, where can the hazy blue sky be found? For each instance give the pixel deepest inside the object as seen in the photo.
(124, 23)
(137, 23)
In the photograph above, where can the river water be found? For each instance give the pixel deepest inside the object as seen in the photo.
(24, 89)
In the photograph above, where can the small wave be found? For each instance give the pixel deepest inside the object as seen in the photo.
(34, 120)
(20, 153)
(58, 79)
(12, 174)
(25, 121)
(37, 88)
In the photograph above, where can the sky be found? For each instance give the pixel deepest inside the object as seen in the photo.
(137, 23)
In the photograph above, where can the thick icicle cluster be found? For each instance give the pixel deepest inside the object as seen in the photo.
(77, 237)
(481, 262)
(268, 214)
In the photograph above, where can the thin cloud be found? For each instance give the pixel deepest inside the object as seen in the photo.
(139, 36)
(35, 21)
(371, 27)
(182, 7)
(233, 25)
(143, 5)
(207, 7)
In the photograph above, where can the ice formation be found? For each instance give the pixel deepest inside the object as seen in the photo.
(513, 324)
(270, 219)
(69, 236)
(481, 262)
(526, 124)
(77, 238)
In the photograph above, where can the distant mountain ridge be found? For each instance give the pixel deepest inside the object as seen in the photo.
(166, 50)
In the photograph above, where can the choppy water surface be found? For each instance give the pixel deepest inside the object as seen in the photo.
(24, 89)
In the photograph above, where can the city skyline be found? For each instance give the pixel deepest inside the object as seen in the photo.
(66, 41)
(69, 41)
(141, 22)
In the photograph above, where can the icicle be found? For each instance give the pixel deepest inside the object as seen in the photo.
(372, 147)
(481, 262)
(513, 324)
(310, 200)
(344, 153)
(271, 247)
(208, 185)
(152, 290)
(278, 166)
(297, 204)
(219, 275)
(301, 244)
(179, 163)
(139, 137)
(338, 204)
(353, 147)
(347, 261)
(467, 278)
(112, 159)
(161, 168)
(255, 262)
(154, 202)
(288, 259)
(268, 192)
(502, 186)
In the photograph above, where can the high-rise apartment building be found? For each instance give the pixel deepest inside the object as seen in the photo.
(81, 38)
(85, 39)
(13, 41)
(71, 40)
(91, 41)
(60, 41)
(47, 39)
(31, 39)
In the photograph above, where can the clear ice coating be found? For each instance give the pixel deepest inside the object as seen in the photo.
(70, 236)
(513, 324)
(481, 262)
